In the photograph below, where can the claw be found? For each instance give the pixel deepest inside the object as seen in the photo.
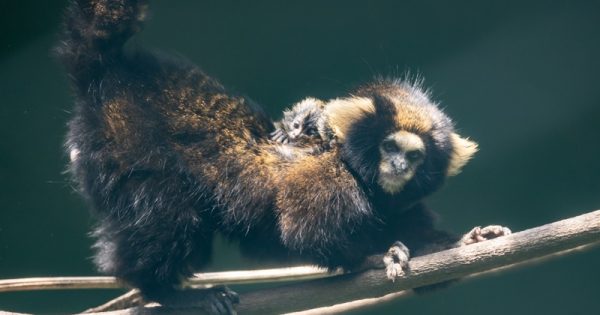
(281, 137)
(277, 135)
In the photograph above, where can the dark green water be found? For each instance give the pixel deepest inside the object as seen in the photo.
(521, 78)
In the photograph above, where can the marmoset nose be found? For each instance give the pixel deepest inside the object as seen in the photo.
(400, 166)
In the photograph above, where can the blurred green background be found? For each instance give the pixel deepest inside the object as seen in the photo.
(519, 77)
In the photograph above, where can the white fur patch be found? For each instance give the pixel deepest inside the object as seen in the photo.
(289, 152)
(395, 184)
(310, 103)
(408, 141)
(74, 154)
(462, 151)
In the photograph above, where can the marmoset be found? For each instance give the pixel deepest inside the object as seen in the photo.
(303, 119)
(167, 157)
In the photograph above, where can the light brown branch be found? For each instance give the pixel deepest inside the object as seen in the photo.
(130, 299)
(430, 269)
(133, 297)
(442, 266)
(225, 277)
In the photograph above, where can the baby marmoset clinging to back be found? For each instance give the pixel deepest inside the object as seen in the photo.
(303, 125)
(303, 119)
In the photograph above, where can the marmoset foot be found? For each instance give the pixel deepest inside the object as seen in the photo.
(218, 300)
(396, 260)
(479, 234)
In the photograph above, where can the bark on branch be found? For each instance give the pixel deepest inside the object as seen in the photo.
(451, 264)
(430, 269)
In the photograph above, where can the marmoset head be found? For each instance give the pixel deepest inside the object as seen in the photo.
(395, 138)
(302, 118)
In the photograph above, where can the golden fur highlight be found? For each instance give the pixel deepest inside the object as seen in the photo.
(341, 113)
(411, 118)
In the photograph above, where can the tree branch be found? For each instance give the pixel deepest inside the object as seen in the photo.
(224, 277)
(430, 269)
(502, 252)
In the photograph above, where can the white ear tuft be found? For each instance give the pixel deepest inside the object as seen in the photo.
(462, 151)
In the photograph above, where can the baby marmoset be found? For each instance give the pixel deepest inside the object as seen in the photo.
(303, 126)
(303, 119)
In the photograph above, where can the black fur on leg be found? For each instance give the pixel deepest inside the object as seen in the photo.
(151, 235)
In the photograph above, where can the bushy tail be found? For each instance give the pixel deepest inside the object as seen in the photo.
(94, 34)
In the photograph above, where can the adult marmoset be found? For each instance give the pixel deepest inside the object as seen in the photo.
(167, 157)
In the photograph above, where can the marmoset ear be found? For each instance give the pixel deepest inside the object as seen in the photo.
(342, 113)
(462, 151)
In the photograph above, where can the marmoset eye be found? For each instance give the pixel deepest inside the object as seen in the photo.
(414, 155)
(390, 146)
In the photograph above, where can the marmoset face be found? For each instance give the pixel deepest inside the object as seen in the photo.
(402, 153)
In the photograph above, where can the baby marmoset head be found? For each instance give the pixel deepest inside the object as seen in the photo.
(303, 121)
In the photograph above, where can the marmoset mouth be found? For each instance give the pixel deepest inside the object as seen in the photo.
(393, 177)
(393, 183)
